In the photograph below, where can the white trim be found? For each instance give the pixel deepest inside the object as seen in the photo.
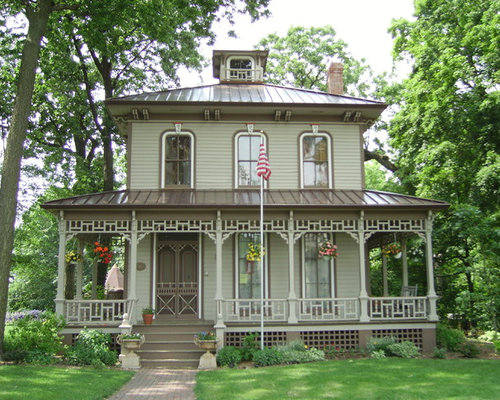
(303, 269)
(164, 135)
(263, 139)
(301, 158)
(237, 264)
(200, 276)
(154, 271)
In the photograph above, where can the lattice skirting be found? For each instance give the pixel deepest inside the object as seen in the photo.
(270, 338)
(339, 339)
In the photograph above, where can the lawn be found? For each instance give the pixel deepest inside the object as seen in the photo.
(357, 379)
(58, 383)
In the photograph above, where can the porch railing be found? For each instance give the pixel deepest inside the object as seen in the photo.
(328, 309)
(244, 310)
(397, 308)
(105, 312)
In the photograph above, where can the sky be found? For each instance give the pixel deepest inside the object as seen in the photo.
(362, 24)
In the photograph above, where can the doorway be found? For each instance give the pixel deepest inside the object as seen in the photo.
(177, 278)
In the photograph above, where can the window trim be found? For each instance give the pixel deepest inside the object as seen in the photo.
(236, 267)
(162, 160)
(240, 57)
(303, 266)
(263, 139)
(301, 159)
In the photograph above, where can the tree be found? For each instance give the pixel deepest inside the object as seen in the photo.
(301, 59)
(446, 134)
(194, 23)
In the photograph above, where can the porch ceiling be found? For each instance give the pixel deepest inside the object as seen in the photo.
(189, 198)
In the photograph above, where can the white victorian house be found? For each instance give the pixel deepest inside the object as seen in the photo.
(191, 207)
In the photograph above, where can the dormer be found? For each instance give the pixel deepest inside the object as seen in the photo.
(239, 66)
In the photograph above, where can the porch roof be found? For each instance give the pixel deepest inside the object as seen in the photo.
(243, 198)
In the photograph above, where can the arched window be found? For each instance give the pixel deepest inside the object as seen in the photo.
(246, 158)
(315, 161)
(240, 68)
(177, 159)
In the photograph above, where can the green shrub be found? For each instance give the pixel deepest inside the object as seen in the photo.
(448, 338)
(376, 344)
(490, 336)
(469, 349)
(250, 345)
(267, 356)
(229, 356)
(439, 352)
(291, 356)
(378, 354)
(92, 348)
(403, 349)
(34, 340)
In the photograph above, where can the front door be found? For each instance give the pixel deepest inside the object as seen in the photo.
(177, 278)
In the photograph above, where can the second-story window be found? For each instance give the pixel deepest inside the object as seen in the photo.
(247, 156)
(315, 161)
(177, 168)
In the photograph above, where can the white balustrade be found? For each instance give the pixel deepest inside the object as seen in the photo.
(398, 308)
(328, 309)
(77, 312)
(245, 310)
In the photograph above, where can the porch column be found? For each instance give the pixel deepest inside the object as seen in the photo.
(363, 294)
(79, 270)
(292, 297)
(61, 265)
(384, 274)
(431, 293)
(132, 267)
(404, 259)
(219, 325)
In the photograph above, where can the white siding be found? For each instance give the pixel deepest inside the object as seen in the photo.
(143, 288)
(214, 153)
(347, 266)
(347, 161)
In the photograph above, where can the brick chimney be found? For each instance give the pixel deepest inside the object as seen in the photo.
(335, 78)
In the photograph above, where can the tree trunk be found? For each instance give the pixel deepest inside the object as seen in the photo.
(38, 17)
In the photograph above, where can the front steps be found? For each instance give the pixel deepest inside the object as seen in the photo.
(169, 342)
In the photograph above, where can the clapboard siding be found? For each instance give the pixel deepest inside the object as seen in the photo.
(347, 162)
(347, 266)
(143, 278)
(214, 153)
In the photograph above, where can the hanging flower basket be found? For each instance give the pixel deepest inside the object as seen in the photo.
(72, 257)
(391, 249)
(255, 252)
(103, 253)
(328, 250)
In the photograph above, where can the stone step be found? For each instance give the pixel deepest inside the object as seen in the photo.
(169, 354)
(171, 363)
(170, 328)
(169, 336)
(169, 345)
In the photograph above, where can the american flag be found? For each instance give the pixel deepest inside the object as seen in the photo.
(263, 167)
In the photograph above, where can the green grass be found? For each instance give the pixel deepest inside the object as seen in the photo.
(58, 383)
(357, 379)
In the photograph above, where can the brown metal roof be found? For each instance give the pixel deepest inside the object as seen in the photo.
(243, 198)
(243, 93)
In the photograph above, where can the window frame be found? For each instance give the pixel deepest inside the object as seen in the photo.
(263, 139)
(331, 262)
(164, 137)
(237, 267)
(329, 159)
(251, 71)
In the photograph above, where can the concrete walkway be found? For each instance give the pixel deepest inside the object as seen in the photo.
(159, 383)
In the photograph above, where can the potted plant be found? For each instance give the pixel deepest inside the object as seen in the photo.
(207, 341)
(147, 315)
(328, 250)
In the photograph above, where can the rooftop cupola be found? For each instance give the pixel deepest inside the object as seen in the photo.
(239, 66)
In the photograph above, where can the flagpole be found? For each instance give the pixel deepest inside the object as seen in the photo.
(262, 263)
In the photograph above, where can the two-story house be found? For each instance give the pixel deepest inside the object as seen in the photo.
(191, 208)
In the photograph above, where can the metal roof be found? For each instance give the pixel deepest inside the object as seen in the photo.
(243, 93)
(243, 198)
